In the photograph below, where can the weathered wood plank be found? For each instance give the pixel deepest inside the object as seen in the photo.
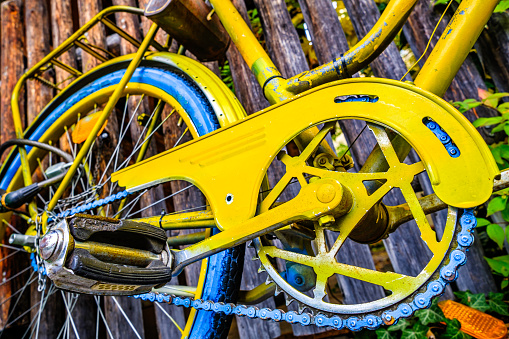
(95, 36)
(12, 63)
(468, 81)
(364, 14)
(86, 308)
(285, 50)
(421, 23)
(38, 40)
(61, 29)
(247, 89)
(405, 249)
(329, 42)
(493, 49)
(250, 95)
(120, 327)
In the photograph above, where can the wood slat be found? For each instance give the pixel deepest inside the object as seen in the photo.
(250, 95)
(12, 63)
(405, 248)
(421, 23)
(284, 47)
(330, 42)
(493, 49)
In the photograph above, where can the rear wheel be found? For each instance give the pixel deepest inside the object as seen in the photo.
(162, 108)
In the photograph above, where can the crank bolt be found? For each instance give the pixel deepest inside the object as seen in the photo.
(48, 244)
(326, 220)
(326, 193)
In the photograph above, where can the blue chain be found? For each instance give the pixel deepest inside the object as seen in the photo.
(91, 205)
(448, 274)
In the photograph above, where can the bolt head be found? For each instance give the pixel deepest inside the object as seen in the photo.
(49, 244)
(326, 193)
(326, 220)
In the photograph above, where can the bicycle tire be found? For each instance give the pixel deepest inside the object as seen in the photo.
(224, 270)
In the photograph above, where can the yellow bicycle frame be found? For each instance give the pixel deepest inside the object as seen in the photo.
(436, 76)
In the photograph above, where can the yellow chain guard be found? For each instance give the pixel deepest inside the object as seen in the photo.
(228, 165)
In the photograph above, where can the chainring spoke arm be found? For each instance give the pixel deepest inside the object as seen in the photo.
(326, 265)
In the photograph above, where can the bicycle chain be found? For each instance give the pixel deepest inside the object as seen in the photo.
(448, 274)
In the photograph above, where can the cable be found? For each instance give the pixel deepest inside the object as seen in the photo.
(429, 42)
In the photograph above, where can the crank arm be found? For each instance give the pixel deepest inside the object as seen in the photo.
(309, 204)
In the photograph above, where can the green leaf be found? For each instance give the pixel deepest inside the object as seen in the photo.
(487, 121)
(499, 128)
(401, 325)
(504, 284)
(497, 234)
(503, 108)
(382, 333)
(431, 315)
(502, 6)
(497, 204)
(501, 94)
(452, 331)
(504, 258)
(496, 154)
(506, 129)
(505, 214)
(418, 331)
(482, 222)
(463, 296)
(498, 266)
(497, 304)
(477, 301)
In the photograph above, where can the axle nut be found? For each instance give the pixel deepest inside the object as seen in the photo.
(326, 193)
(49, 244)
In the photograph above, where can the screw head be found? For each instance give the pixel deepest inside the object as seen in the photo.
(49, 244)
(326, 193)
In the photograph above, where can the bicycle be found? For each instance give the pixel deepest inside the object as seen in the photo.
(93, 237)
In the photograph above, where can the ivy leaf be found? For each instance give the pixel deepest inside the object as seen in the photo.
(477, 301)
(463, 296)
(482, 222)
(497, 304)
(497, 204)
(382, 333)
(452, 331)
(401, 325)
(418, 331)
(497, 234)
(504, 284)
(431, 315)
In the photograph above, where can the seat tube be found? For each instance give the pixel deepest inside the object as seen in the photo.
(454, 45)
